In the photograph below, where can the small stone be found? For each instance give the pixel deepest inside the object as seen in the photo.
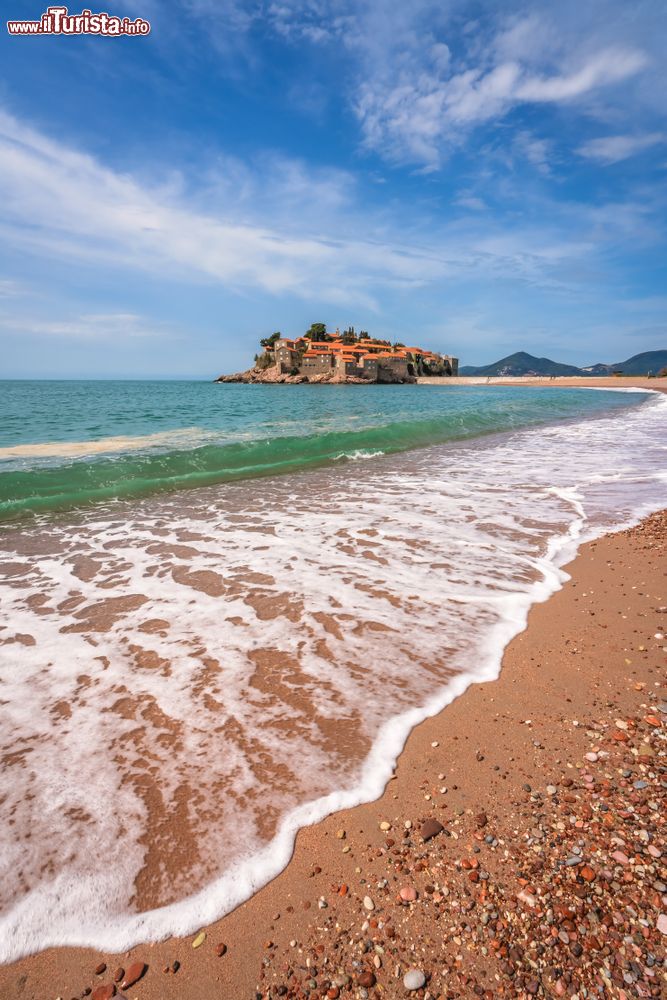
(481, 819)
(366, 979)
(414, 979)
(101, 969)
(340, 834)
(552, 790)
(133, 974)
(384, 825)
(104, 992)
(592, 757)
(587, 873)
(408, 894)
(431, 828)
(199, 940)
(435, 744)
(368, 903)
(220, 950)
(118, 975)
(662, 923)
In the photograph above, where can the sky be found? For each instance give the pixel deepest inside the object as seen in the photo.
(475, 177)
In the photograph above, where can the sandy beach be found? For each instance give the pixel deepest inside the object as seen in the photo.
(545, 878)
(630, 382)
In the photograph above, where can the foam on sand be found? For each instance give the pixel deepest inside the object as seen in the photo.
(188, 680)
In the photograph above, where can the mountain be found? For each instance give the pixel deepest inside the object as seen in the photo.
(522, 364)
(640, 364)
(526, 364)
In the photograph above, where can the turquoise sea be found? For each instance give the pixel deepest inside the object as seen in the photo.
(63, 444)
(223, 608)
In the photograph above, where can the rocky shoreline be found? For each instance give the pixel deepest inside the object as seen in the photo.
(274, 376)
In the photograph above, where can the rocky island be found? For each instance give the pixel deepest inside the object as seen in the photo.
(319, 357)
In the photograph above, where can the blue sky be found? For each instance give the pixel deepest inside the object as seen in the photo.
(479, 177)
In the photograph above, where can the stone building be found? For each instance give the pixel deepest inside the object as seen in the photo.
(317, 363)
(375, 361)
(369, 366)
(287, 355)
(393, 363)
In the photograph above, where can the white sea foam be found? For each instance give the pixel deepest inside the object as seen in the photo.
(264, 650)
(359, 454)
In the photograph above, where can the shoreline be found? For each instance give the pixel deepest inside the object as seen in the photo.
(558, 381)
(322, 863)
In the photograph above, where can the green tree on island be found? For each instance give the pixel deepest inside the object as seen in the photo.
(349, 336)
(270, 341)
(317, 331)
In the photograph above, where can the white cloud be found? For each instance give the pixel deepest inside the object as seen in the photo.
(63, 202)
(425, 112)
(470, 201)
(9, 288)
(251, 228)
(88, 327)
(425, 76)
(609, 66)
(614, 148)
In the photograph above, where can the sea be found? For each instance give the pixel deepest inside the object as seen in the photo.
(224, 607)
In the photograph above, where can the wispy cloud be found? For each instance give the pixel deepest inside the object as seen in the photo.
(60, 202)
(9, 288)
(110, 327)
(614, 148)
(427, 76)
(426, 113)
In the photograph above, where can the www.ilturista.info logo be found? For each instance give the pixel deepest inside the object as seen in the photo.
(58, 21)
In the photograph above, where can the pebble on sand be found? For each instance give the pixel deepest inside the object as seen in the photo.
(133, 974)
(414, 979)
(104, 992)
(368, 903)
(431, 828)
(199, 940)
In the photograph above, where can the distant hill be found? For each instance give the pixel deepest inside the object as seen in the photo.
(526, 364)
(640, 364)
(522, 364)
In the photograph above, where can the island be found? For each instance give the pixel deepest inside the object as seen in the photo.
(319, 357)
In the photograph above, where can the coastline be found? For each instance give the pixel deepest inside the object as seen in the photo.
(559, 381)
(587, 655)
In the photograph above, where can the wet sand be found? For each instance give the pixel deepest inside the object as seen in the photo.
(504, 905)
